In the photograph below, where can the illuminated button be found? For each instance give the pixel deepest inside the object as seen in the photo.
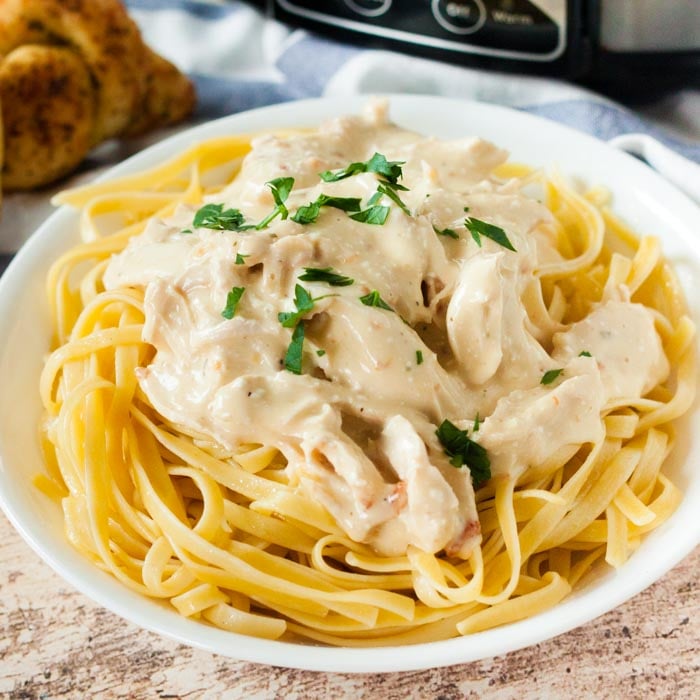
(464, 17)
(369, 8)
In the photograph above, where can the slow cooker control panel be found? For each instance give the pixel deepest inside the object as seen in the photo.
(531, 30)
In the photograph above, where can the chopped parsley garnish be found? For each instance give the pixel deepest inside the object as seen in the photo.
(373, 299)
(479, 228)
(280, 188)
(215, 217)
(232, 299)
(374, 199)
(549, 376)
(585, 353)
(349, 171)
(376, 215)
(450, 233)
(385, 188)
(477, 423)
(389, 170)
(293, 356)
(186, 230)
(419, 357)
(326, 274)
(303, 301)
(309, 213)
(240, 258)
(463, 451)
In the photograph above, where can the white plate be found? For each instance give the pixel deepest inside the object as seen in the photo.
(641, 197)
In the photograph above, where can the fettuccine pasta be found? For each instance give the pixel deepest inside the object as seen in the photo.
(264, 521)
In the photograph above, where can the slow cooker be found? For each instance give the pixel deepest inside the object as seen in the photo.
(567, 38)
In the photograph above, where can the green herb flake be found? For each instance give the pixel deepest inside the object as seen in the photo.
(378, 164)
(213, 216)
(326, 274)
(232, 299)
(374, 199)
(310, 212)
(385, 188)
(419, 357)
(320, 353)
(450, 233)
(268, 219)
(477, 423)
(375, 215)
(463, 451)
(349, 171)
(585, 353)
(280, 188)
(479, 228)
(549, 376)
(374, 299)
(389, 169)
(307, 214)
(240, 258)
(186, 230)
(303, 301)
(293, 356)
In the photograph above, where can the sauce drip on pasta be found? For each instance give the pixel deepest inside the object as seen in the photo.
(357, 425)
(359, 386)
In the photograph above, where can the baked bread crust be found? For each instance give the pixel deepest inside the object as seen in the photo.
(74, 73)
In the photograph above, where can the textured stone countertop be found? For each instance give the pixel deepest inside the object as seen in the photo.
(55, 643)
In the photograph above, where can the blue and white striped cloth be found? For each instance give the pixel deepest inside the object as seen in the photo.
(239, 60)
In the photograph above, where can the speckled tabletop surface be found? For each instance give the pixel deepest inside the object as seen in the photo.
(56, 643)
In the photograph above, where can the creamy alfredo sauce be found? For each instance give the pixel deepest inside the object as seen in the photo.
(358, 425)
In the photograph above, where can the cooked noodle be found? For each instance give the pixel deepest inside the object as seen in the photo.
(228, 538)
